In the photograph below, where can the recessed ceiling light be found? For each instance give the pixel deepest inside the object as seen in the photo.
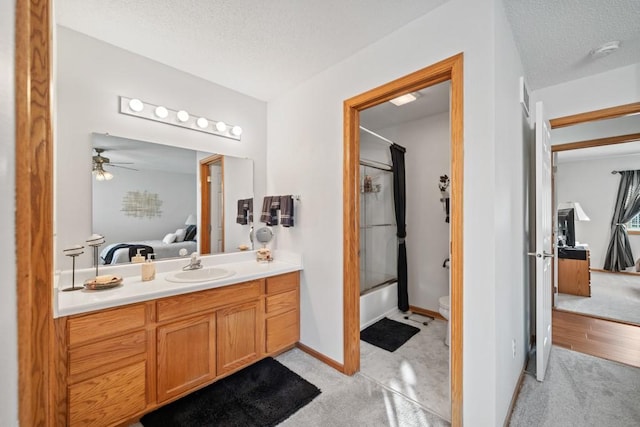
(605, 49)
(404, 99)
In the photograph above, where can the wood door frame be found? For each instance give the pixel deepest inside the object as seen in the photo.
(450, 69)
(591, 116)
(205, 202)
(34, 212)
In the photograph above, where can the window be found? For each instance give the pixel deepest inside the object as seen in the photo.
(633, 226)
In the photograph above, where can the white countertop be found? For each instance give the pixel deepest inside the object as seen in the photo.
(133, 289)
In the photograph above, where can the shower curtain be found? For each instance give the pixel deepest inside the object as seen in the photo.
(399, 195)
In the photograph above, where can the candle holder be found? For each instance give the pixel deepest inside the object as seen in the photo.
(95, 241)
(73, 252)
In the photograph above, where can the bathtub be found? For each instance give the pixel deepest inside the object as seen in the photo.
(378, 303)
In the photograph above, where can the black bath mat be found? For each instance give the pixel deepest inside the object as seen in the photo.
(388, 334)
(263, 394)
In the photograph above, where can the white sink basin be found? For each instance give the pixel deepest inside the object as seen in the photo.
(202, 275)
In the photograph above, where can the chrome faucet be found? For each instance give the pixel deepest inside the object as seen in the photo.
(194, 264)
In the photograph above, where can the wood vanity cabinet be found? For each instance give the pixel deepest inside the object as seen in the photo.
(115, 365)
(104, 371)
(282, 312)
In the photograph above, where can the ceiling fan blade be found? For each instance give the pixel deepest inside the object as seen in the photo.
(121, 167)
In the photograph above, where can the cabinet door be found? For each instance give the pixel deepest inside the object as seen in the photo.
(186, 355)
(239, 336)
(109, 398)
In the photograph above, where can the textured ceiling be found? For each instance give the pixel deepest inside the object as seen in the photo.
(259, 48)
(263, 48)
(554, 37)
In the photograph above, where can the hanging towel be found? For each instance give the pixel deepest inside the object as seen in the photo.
(286, 211)
(269, 216)
(245, 211)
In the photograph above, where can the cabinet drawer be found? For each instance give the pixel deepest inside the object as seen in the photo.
(106, 323)
(107, 353)
(183, 305)
(281, 302)
(282, 283)
(282, 331)
(108, 399)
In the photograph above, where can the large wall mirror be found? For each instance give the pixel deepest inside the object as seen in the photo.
(587, 157)
(148, 197)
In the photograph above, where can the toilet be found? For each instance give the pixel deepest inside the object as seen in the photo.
(444, 311)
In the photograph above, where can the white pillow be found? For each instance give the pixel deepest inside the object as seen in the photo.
(169, 238)
(180, 233)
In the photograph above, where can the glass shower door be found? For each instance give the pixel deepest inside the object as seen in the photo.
(378, 242)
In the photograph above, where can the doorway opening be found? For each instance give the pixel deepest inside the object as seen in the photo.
(447, 70)
(211, 230)
(601, 141)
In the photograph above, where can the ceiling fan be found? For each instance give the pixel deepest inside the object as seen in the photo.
(99, 162)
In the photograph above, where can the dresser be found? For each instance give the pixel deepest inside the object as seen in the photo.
(574, 277)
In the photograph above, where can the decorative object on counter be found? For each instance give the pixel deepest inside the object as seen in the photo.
(443, 185)
(245, 211)
(272, 204)
(264, 236)
(264, 255)
(103, 282)
(148, 269)
(73, 252)
(180, 118)
(141, 204)
(95, 240)
(243, 247)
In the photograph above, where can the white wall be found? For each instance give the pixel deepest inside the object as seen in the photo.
(91, 75)
(308, 121)
(238, 175)
(513, 138)
(617, 87)
(174, 189)
(8, 320)
(428, 156)
(591, 183)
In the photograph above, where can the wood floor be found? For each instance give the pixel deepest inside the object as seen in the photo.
(608, 339)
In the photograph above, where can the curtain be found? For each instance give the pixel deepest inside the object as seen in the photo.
(619, 255)
(399, 195)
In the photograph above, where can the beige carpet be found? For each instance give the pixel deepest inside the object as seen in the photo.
(580, 390)
(613, 296)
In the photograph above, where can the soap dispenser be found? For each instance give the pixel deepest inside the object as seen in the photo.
(148, 269)
(137, 258)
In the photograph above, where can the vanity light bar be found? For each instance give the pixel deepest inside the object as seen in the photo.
(181, 118)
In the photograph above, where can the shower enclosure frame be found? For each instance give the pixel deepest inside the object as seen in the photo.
(366, 228)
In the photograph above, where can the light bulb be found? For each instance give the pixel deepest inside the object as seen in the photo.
(221, 126)
(136, 105)
(236, 130)
(161, 112)
(202, 122)
(183, 116)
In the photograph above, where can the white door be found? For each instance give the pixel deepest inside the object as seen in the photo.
(544, 247)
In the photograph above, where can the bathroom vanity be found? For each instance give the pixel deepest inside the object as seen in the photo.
(116, 363)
